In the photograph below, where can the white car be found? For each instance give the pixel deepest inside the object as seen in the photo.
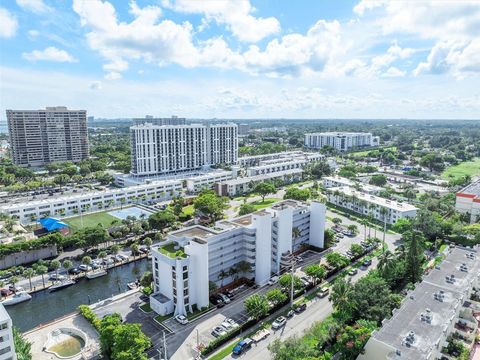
(181, 319)
(122, 257)
(84, 267)
(273, 280)
(225, 298)
(218, 331)
(279, 322)
(229, 324)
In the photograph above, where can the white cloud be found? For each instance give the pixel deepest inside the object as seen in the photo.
(8, 24)
(113, 75)
(393, 72)
(49, 54)
(236, 15)
(33, 34)
(36, 6)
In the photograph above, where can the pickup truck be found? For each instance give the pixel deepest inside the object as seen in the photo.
(323, 292)
(242, 346)
(260, 335)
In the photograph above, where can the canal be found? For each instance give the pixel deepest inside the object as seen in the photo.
(46, 306)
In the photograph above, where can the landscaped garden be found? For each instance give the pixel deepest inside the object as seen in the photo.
(468, 168)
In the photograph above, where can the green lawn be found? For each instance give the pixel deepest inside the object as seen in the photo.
(91, 220)
(160, 318)
(146, 308)
(170, 251)
(259, 204)
(188, 210)
(365, 152)
(471, 168)
(225, 351)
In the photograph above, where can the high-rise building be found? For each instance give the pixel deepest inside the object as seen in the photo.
(39, 137)
(243, 129)
(7, 346)
(163, 149)
(342, 141)
(174, 120)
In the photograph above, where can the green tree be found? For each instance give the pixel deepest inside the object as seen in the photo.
(402, 225)
(222, 275)
(337, 220)
(87, 260)
(378, 180)
(42, 270)
(340, 297)
(130, 343)
(356, 249)
(115, 249)
(55, 265)
(256, 306)
(148, 242)
(22, 347)
(67, 265)
(297, 194)
(276, 296)
(414, 259)
(244, 267)
(336, 260)
(28, 273)
(353, 338)
(285, 281)
(316, 271)
(246, 209)
(210, 205)
(134, 249)
(107, 327)
(147, 279)
(162, 219)
(265, 188)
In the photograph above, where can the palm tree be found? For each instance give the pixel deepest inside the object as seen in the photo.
(13, 281)
(384, 212)
(86, 260)
(115, 249)
(244, 267)
(42, 270)
(296, 233)
(147, 242)
(55, 265)
(233, 272)
(134, 249)
(67, 265)
(222, 275)
(28, 274)
(385, 261)
(102, 255)
(364, 222)
(339, 296)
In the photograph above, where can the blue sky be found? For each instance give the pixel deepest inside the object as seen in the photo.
(243, 59)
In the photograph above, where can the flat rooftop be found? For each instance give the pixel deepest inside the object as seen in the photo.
(244, 220)
(160, 298)
(247, 179)
(472, 189)
(422, 301)
(194, 231)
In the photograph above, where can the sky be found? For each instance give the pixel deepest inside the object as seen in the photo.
(306, 59)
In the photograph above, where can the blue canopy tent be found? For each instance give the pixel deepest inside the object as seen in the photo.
(52, 224)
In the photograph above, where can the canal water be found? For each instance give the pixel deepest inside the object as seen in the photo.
(45, 306)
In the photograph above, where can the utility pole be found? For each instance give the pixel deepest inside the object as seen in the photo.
(291, 287)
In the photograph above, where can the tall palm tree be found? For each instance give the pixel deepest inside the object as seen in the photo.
(86, 260)
(384, 212)
(233, 272)
(134, 248)
(102, 255)
(244, 267)
(364, 222)
(42, 270)
(55, 265)
(340, 294)
(28, 273)
(386, 261)
(222, 275)
(67, 265)
(296, 233)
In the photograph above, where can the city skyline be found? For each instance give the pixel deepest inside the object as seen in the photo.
(254, 59)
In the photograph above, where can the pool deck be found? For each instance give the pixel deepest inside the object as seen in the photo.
(38, 336)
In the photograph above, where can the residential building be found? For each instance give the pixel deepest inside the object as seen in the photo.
(7, 345)
(166, 149)
(174, 120)
(71, 205)
(468, 201)
(206, 181)
(243, 129)
(255, 160)
(439, 307)
(243, 185)
(195, 256)
(40, 137)
(341, 141)
(338, 181)
(365, 204)
(276, 167)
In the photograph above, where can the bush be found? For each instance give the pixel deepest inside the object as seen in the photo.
(90, 316)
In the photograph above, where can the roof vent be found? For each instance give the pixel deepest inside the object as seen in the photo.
(463, 268)
(439, 296)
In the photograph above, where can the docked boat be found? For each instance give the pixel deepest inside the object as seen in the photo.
(62, 284)
(132, 285)
(96, 274)
(19, 297)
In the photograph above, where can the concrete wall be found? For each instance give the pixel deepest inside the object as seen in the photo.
(28, 256)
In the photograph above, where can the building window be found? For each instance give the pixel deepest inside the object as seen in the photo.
(4, 338)
(5, 350)
(3, 326)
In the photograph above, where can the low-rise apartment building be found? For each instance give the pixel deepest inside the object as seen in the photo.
(206, 181)
(7, 345)
(468, 201)
(276, 167)
(365, 204)
(338, 181)
(438, 307)
(255, 160)
(64, 206)
(341, 141)
(243, 185)
(197, 255)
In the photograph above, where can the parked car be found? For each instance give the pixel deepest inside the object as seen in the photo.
(323, 292)
(54, 277)
(306, 280)
(340, 235)
(143, 250)
(242, 346)
(229, 324)
(224, 298)
(367, 263)
(121, 257)
(290, 313)
(273, 280)
(230, 294)
(181, 319)
(218, 331)
(279, 322)
(353, 272)
(107, 261)
(84, 267)
(217, 300)
(300, 308)
(74, 271)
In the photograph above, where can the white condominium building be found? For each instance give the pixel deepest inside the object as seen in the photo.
(7, 346)
(339, 181)
(174, 120)
(198, 183)
(195, 256)
(40, 137)
(342, 141)
(366, 204)
(243, 185)
(163, 149)
(257, 159)
(276, 167)
(438, 308)
(468, 201)
(64, 206)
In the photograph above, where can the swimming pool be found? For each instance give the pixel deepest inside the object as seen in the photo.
(130, 211)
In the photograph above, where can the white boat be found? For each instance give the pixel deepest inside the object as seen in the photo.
(61, 285)
(17, 298)
(96, 274)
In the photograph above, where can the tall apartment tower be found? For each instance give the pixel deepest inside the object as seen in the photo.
(40, 137)
(174, 120)
(163, 149)
(7, 346)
